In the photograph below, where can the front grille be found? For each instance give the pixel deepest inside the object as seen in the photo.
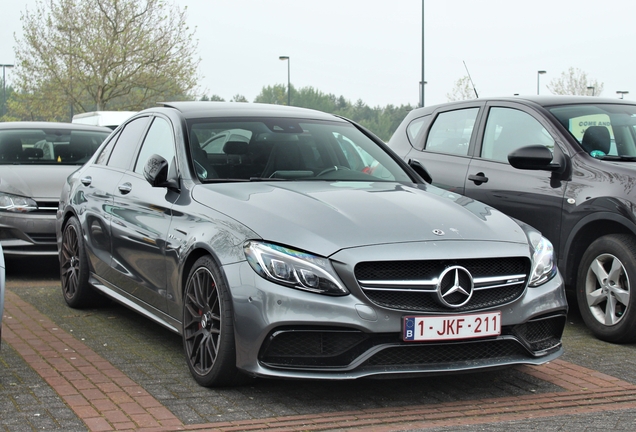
(429, 355)
(47, 206)
(426, 302)
(411, 285)
(414, 270)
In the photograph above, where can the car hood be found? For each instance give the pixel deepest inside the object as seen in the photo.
(323, 217)
(40, 182)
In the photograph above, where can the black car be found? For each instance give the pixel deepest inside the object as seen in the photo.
(563, 164)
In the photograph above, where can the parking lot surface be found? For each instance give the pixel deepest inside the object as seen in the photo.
(109, 369)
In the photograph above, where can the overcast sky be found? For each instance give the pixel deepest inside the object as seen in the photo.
(372, 49)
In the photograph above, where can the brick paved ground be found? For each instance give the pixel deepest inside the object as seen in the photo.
(109, 369)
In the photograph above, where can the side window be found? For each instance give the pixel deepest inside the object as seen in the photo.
(451, 131)
(159, 140)
(507, 129)
(103, 156)
(415, 129)
(126, 144)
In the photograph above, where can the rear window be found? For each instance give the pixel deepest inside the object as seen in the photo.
(48, 146)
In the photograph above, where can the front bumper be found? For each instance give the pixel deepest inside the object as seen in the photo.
(287, 333)
(28, 233)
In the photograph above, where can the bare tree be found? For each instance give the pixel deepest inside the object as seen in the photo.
(462, 90)
(239, 98)
(575, 82)
(103, 54)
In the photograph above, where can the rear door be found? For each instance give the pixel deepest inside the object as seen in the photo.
(94, 196)
(444, 148)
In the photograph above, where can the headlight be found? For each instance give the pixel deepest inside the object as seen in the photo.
(17, 204)
(543, 266)
(293, 268)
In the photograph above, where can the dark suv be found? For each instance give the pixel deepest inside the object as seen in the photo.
(564, 164)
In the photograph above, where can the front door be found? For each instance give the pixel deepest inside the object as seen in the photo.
(141, 217)
(534, 197)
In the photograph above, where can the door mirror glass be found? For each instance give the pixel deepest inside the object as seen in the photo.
(156, 171)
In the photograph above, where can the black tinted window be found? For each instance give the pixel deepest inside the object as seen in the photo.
(126, 144)
(451, 131)
(508, 129)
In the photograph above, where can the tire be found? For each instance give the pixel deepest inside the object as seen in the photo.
(74, 271)
(604, 292)
(208, 327)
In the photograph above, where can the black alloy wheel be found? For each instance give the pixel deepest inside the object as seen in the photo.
(208, 330)
(74, 267)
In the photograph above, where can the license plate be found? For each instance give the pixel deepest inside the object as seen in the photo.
(451, 327)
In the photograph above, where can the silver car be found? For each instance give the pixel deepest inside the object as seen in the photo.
(35, 159)
(2, 275)
(283, 257)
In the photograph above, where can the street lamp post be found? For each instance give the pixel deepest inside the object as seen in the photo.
(288, 78)
(622, 93)
(539, 73)
(70, 30)
(593, 89)
(422, 93)
(422, 80)
(4, 87)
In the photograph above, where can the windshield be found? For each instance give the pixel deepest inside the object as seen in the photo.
(48, 146)
(605, 131)
(288, 149)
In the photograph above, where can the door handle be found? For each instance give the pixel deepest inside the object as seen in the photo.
(124, 188)
(478, 178)
(86, 181)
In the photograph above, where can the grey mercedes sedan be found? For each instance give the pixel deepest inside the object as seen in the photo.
(35, 159)
(301, 248)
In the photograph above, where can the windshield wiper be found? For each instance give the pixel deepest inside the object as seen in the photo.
(624, 158)
(263, 179)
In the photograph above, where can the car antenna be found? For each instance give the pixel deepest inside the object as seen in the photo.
(471, 80)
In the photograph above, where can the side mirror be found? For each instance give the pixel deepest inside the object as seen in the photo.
(420, 170)
(534, 157)
(156, 172)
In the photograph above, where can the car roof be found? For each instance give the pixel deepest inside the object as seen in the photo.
(545, 101)
(53, 125)
(244, 109)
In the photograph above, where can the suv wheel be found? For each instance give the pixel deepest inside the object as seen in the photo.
(604, 293)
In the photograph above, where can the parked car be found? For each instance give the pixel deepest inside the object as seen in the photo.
(109, 119)
(35, 159)
(563, 164)
(276, 258)
(2, 280)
